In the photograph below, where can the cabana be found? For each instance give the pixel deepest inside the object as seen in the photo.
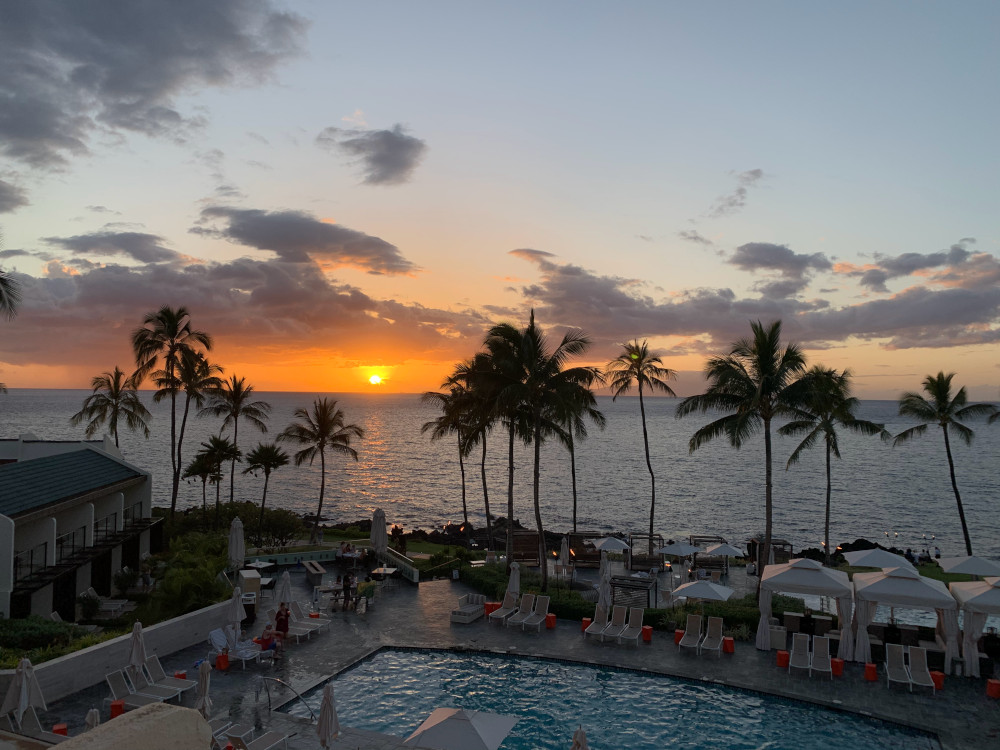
(903, 587)
(803, 576)
(978, 599)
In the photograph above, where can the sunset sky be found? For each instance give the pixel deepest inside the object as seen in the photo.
(336, 190)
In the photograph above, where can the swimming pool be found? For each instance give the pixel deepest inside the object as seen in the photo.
(395, 690)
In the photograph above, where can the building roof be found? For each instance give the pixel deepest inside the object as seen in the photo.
(30, 485)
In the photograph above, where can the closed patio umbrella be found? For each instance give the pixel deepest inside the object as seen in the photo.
(379, 537)
(604, 588)
(514, 583)
(23, 692)
(236, 612)
(93, 719)
(202, 703)
(237, 547)
(137, 649)
(283, 591)
(328, 725)
(457, 729)
(564, 551)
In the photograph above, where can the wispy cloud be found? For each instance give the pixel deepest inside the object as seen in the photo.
(12, 197)
(730, 203)
(387, 157)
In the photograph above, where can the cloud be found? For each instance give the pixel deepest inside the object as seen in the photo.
(145, 248)
(102, 210)
(387, 157)
(299, 237)
(729, 204)
(874, 276)
(695, 236)
(72, 70)
(12, 197)
(794, 270)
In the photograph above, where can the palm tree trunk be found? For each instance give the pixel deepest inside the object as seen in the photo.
(260, 523)
(232, 468)
(486, 499)
(649, 465)
(958, 497)
(766, 551)
(174, 463)
(180, 439)
(828, 488)
(204, 499)
(510, 497)
(218, 502)
(314, 537)
(543, 562)
(465, 507)
(572, 472)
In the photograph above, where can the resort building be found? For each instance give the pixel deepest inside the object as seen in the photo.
(72, 514)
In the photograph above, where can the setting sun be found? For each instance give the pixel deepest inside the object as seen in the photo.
(375, 379)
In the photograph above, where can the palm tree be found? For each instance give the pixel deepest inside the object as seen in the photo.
(539, 389)
(572, 418)
(266, 457)
(827, 404)
(451, 422)
(114, 399)
(166, 333)
(194, 375)
(947, 413)
(754, 383)
(216, 451)
(232, 400)
(201, 467)
(10, 293)
(321, 430)
(636, 364)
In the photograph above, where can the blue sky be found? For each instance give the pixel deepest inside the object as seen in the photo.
(338, 189)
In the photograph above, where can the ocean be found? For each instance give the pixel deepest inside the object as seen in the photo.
(881, 493)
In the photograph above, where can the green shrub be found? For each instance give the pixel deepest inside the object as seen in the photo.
(34, 632)
(89, 606)
(125, 580)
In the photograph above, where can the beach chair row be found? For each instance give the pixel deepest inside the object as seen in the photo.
(616, 627)
(529, 612)
(916, 673)
(150, 684)
(815, 659)
(709, 640)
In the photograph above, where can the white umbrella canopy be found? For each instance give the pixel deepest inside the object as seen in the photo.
(137, 648)
(236, 612)
(876, 558)
(283, 591)
(579, 740)
(803, 576)
(93, 719)
(610, 544)
(203, 704)
(978, 596)
(970, 565)
(727, 550)
(457, 729)
(564, 551)
(705, 590)
(23, 692)
(328, 725)
(604, 588)
(514, 582)
(237, 547)
(680, 549)
(903, 587)
(379, 536)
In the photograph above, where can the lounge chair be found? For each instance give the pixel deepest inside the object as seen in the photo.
(617, 625)
(919, 673)
(470, 608)
(523, 612)
(114, 607)
(713, 637)
(300, 614)
(304, 622)
(634, 629)
(158, 676)
(598, 623)
(820, 661)
(895, 666)
(218, 727)
(264, 742)
(144, 686)
(294, 631)
(219, 643)
(537, 617)
(31, 726)
(507, 608)
(121, 691)
(799, 657)
(692, 634)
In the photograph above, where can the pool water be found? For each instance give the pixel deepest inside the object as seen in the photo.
(395, 690)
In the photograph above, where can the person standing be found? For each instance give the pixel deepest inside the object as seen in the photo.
(281, 622)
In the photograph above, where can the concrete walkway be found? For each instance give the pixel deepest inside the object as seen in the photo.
(961, 715)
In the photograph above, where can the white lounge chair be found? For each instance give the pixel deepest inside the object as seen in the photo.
(31, 726)
(507, 608)
(122, 691)
(919, 673)
(634, 629)
(265, 742)
(144, 686)
(713, 637)
(895, 666)
(470, 608)
(301, 615)
(158, 676)
(523, 612)
(692, 634)
(219, 642)
(821, 661)
(537, 617)
(617, 625)
(799, 657)
(303, 621)
(294, 631)
(598, 623)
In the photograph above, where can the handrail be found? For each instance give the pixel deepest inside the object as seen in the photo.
(263, 683)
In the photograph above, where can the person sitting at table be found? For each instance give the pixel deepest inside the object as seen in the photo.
(343, 549)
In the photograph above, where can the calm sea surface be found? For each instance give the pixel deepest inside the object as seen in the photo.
(904, 491)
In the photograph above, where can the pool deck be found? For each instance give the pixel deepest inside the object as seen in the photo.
(961, 715)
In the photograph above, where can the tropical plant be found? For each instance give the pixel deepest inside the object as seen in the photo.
(232, 400)
(266, 457)
(166, 333)
(202, 467)
(537, 390)
(318, 431)
(10, 293)
(114, 399)
(572, 416)
(452, 421)
(636, 364)
(939, 407)
(216, 451)
(753, 384)
(827, 404)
